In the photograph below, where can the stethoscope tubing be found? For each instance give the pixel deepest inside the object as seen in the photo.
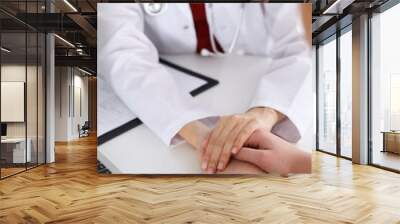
(235, 36)
(155, 9)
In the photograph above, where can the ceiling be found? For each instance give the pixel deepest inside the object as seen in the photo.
(332, 15)
(72, 20)
(75, 21)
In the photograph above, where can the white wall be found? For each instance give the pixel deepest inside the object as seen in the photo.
(12, 73)
(70, 83)
(13, 101)
(61, 103)
(34, 126)
(80, 109)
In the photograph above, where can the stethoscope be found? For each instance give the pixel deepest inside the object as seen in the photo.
(155, 9)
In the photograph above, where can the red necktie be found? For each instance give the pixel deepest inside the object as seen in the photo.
(202, 31)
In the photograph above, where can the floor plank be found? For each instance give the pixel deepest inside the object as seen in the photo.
(71, 191)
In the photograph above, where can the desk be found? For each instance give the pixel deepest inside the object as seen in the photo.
(16, 153)
(391, 141)
(139, 151)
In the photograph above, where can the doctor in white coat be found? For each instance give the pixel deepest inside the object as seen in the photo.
(132, 36)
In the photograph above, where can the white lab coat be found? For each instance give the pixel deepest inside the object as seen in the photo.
(129, 41)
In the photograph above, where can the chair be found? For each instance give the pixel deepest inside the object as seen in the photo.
(84, 130)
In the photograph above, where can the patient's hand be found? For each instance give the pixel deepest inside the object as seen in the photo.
(196, 134)
(273, 154)
(230, 134)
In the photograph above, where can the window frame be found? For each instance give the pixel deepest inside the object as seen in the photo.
(378, 10)
(334, 37)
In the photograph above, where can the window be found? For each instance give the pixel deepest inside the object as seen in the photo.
(385, 89)
(334, 138)
(327, 96)
(346, 93)
(394, 101)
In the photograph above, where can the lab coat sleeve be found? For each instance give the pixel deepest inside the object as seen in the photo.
(286, 87)
(128, 60)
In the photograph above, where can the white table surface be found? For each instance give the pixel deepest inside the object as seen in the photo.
(19, 150)
(139, 151)
(115, 117)
(12, 140)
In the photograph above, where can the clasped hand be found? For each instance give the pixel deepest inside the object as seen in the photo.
(230, 135)
(247, 138)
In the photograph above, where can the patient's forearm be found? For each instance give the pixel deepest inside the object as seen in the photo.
(240, 167)
(274, 154)
(301, 162)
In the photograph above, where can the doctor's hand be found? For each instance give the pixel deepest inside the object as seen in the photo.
(231, 133)
(195, 133)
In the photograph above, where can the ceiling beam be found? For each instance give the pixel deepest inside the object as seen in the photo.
(81, 61)
(86, 27)
(337, 7)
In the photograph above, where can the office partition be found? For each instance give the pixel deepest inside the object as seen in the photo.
(22, 88)
(15, 151)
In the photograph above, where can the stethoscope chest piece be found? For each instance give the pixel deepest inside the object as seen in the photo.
(154, 9)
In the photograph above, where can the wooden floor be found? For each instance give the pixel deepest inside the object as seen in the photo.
(70, 191)
(5, 172)
(387, 159)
